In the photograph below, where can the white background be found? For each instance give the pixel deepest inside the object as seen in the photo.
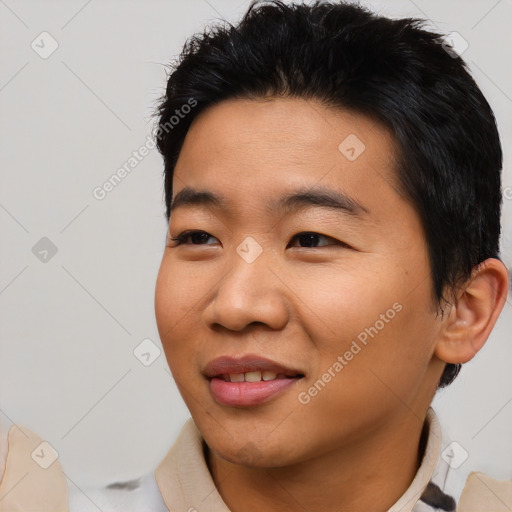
(69, 326)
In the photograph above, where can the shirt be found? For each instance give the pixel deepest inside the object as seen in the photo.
(186, 483)
(183, 483)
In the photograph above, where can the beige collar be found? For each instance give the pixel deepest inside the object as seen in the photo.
(186, 484)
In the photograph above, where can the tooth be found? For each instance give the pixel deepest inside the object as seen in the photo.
(236, 377)
(252, 376)
(268, 375)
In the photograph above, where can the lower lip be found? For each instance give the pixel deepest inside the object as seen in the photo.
(243, 394)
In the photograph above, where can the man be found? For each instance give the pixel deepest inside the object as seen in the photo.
(333, 198)
(332, 184)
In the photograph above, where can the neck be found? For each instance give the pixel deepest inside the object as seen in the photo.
(368, 475)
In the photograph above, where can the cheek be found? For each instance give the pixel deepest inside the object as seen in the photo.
(337, 303)
(176, 294)
(164, 299)
(369, 317)
(172, 305)
(178, 300)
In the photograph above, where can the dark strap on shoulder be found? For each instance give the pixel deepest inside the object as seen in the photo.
(435, 497)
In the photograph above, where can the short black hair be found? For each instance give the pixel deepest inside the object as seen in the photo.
(394, 70)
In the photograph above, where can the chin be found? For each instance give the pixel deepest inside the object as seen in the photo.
(250, 452)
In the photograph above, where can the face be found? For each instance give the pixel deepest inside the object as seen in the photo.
(295, 302)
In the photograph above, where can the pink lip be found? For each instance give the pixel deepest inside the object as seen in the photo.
(243, 394)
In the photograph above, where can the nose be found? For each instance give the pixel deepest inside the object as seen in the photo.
(249, 293)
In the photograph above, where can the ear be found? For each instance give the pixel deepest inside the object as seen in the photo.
(474, 313)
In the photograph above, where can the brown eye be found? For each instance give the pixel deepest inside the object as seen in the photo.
(312, 239)
(194, 237)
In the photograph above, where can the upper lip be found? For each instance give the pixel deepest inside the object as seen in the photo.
(247, 363)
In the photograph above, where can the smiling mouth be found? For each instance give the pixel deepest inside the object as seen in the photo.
(256, 376)
(248, 380)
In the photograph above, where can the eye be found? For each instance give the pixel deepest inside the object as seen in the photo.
(307, 239)
(312, 239)
(193, 237)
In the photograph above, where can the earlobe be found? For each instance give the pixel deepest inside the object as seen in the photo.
(474, 313)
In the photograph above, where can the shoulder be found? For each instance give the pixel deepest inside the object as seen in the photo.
(483, 493)
(31, 474)
(32, 478)
(5, 425)
(456, 480)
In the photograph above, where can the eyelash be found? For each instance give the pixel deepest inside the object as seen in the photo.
(182, 237)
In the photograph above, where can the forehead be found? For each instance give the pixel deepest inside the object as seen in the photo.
(247, 148)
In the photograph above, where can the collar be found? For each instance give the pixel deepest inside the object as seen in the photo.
(186, 483)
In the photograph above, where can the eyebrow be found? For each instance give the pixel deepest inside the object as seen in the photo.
(298, 200)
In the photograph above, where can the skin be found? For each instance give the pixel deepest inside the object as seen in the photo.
(355, 445)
